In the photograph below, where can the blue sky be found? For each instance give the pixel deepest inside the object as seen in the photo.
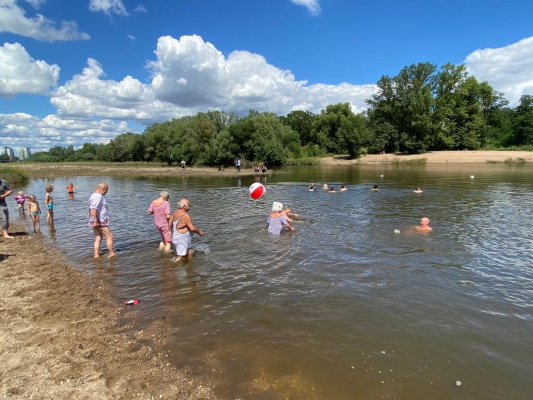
(73, 72)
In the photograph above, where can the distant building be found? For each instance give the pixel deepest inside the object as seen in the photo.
(23, 153)
(9, 152)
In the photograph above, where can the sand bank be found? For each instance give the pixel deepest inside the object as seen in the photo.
(59, 336)
(439, 157)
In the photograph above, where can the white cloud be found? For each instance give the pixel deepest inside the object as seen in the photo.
(131, 37)
(36, 3)
(188, 76)
(312, 6)
(22, 129)
(507, 69)
(108, 7)
(140, 9)
(19, 73)
(13, 20)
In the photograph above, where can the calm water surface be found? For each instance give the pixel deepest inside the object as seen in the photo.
(343, 308)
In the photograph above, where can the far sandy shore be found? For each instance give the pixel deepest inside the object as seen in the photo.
(60, 339)
(141, 170)
(439, 157)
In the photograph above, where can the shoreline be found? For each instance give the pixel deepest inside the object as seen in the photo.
(141, 170)
(60, 336)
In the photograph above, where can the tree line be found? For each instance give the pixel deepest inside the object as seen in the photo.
(421, 109)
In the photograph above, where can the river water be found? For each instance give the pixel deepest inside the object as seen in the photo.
(343, 308)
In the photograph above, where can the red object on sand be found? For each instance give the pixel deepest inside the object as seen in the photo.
(132, 302)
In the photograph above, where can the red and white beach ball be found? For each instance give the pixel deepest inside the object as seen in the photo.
(257, 190)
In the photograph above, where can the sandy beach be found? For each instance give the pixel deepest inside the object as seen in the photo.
(60, 339)
(439, 157)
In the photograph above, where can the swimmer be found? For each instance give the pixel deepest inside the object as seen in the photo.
(343, 188)
(325, 186)
(311, 187)
(277, 220)
(287, 212)
(332, 190)
(418, 190)
(375, 187)
(424, 225)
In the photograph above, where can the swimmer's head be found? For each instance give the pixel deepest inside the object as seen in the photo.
(424, 221)
(21, 193)
(164, 194)
(277, 206)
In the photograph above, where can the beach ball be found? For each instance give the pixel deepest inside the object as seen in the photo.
(257, 190)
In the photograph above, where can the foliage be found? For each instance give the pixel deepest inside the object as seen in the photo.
(13, 175)
(420, 109)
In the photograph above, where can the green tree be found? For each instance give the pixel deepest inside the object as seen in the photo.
(405, 103)
(301, 122)
(523, 121)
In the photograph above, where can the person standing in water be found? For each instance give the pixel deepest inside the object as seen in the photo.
(160, 209)
(34, 210)
(5, 190)
(49, 201)
(183, 228)
(99, 220)
(278, 219)
(70, 190)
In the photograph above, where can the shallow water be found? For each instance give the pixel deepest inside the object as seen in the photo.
(343, 308)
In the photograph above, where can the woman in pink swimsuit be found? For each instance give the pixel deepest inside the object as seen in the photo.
(160, 208)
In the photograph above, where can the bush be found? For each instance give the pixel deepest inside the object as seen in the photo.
(13, 175)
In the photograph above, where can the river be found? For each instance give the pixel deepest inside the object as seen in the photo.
(343, 308)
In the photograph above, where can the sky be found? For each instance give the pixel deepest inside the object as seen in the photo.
(85, 71)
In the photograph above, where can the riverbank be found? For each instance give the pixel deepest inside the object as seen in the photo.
(60, 336)
(438, 157)
(143, 170)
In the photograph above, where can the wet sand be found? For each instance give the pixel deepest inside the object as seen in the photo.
(60, 337)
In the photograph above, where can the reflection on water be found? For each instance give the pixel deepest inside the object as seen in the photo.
(343, 308)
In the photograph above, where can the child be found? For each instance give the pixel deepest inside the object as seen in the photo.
(21, 199)
(70, 189)
(49, 201)
(34, 210)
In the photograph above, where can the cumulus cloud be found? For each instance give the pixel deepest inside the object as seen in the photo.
(20, 73)
(507, 69)
(189, 76)
(25, 130)
(13, 19)
(312, 6)
(108, 7)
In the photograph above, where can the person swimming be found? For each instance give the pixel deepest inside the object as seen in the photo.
(424, 225)
(418, 190)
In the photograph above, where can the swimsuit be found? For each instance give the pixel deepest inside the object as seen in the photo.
(182, 241)
(34, 214)
(275, 225)
(50, 206)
